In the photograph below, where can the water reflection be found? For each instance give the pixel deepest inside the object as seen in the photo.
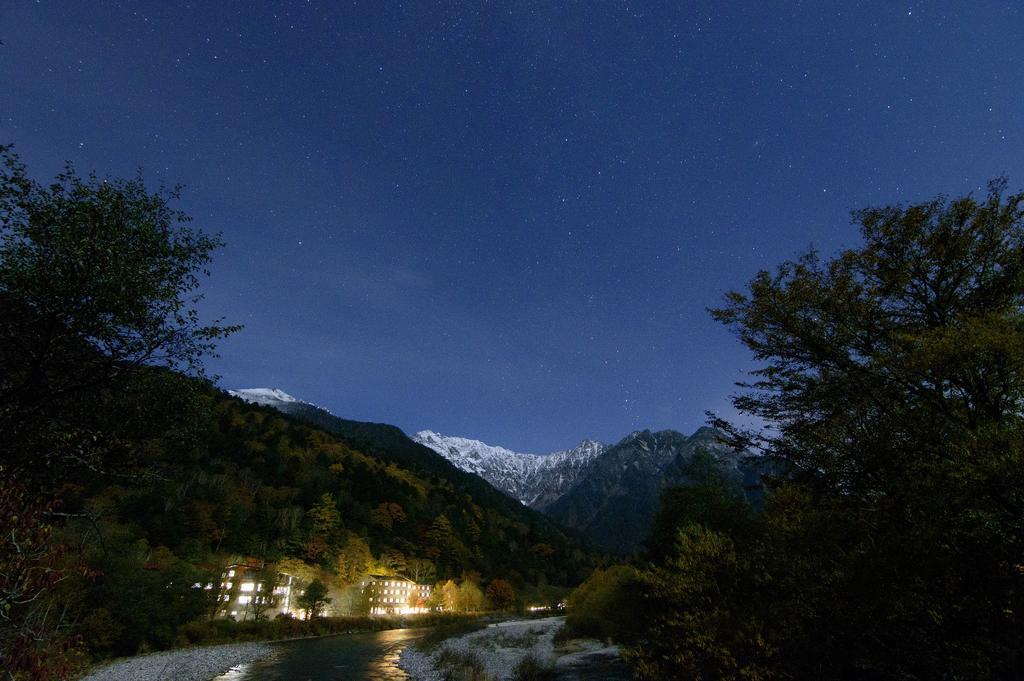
(354, 657)
(385, 667)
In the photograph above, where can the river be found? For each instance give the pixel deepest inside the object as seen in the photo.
(374, 657)
(352, 657)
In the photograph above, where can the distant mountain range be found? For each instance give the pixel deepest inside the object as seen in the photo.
(535, 480)
(609, 492)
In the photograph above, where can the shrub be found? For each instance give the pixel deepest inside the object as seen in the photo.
(532, 669)
(605, 606)
(460, 666)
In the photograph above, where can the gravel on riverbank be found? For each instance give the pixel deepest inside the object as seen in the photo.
(187, 664)
(500, 647)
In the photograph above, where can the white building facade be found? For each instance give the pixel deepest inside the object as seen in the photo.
(248, 590)
(389, 595)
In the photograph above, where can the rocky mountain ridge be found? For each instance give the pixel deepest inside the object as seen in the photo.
(535, 480)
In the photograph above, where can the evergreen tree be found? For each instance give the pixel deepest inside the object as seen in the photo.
(325, 522)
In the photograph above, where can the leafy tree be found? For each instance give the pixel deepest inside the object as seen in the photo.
(353, 559)
(421, 570)
(501, 594)
(314, 599)
(355, 600)
(263, 599)
(708, 500)
(606, 605)
(150, 590)
(697, 622)
(446, 596)
(543, 550)
(301, 571)
(98, 283)
(324, 516)
(891, 382)
(470, 598)
(387, 514)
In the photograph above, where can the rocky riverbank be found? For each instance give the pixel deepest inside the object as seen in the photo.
(187, 664)
(498, 650)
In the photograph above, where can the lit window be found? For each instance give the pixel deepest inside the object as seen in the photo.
(244, 600)
(227, 585)
(231, 573)
(247, 586)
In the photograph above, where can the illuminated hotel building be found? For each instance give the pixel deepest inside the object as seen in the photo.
(245, 588)
(388, 595)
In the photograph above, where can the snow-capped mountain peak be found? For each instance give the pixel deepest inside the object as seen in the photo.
(535, 480)
(266, 396)
(471, 450)
(503, 468)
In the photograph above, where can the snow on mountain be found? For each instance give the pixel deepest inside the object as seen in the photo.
(535, 480)
(268, 397)
(559, 472)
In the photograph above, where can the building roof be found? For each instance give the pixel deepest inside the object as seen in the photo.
(383, 578)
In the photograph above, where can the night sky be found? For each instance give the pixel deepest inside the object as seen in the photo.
(506, 220)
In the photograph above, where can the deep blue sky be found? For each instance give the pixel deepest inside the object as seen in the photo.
(506, 220)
